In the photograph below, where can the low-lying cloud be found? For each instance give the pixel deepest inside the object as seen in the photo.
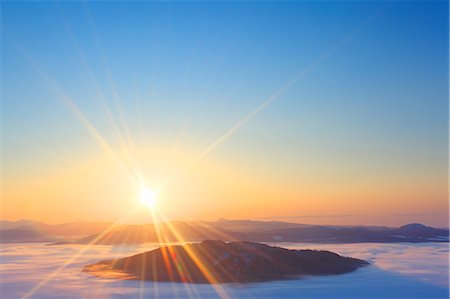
(396, 270)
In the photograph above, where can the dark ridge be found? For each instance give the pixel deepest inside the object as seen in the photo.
(238, 262)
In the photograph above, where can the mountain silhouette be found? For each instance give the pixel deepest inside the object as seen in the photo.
(103, 233)
(259, 231)
(213, 261)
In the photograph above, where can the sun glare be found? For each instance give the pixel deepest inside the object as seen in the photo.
(147, 197)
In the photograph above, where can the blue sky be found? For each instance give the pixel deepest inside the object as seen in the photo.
(377, 104)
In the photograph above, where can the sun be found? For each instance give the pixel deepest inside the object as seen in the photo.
(147, 197)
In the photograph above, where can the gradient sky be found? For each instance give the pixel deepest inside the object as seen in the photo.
(94, 93)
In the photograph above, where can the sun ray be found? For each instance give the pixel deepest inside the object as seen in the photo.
(215, 232)
(163, 241)
(203, 267)
(114, 91)
(277, 94)
(60, 93)
(78, 253)
(100, 97)
(142, 282)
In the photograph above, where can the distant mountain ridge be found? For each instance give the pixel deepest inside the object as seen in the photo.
(227, 230)
(35, 231)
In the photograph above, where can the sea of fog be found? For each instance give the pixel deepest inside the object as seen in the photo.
(396, 271)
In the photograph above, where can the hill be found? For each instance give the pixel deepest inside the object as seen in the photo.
(220, 262)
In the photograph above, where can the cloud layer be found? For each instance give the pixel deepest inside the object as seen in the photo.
(397, 270)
